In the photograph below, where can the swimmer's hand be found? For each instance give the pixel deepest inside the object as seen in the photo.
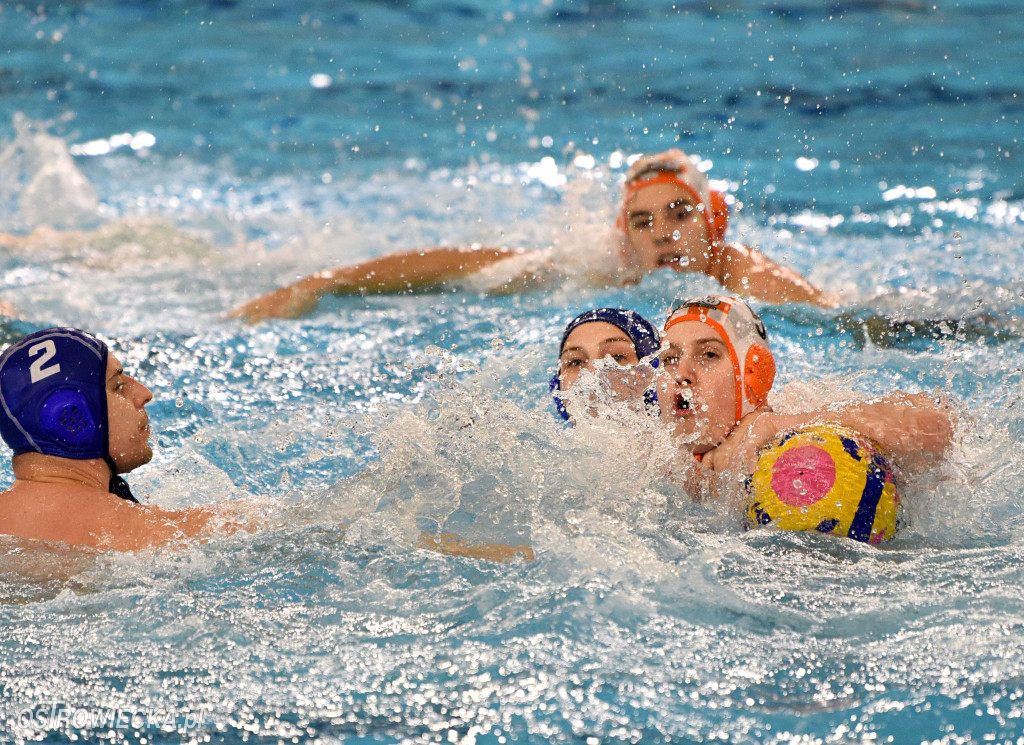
(453, 545)
(739, 451)
(6, 309)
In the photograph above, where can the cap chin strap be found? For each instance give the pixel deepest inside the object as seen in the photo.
(118, 486)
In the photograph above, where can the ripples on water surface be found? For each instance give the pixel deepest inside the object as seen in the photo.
(221, 149)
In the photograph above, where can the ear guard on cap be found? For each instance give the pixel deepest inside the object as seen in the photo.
(746, 338)
(758, 375)
(66, 416)
(555, 385)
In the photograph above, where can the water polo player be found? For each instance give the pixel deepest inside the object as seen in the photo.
(670, 217)
(621, 336)
(717, 372)
(75, 421)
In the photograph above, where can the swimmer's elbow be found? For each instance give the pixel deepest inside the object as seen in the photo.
(941, 428)
(936, 421)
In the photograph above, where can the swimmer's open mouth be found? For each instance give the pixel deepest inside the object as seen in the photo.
(669, 259)
(684, 404)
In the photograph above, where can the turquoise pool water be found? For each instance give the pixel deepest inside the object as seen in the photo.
(208, 151)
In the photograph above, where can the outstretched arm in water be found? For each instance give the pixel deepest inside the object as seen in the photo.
(405, 271)
(453, 545)
(914, 429)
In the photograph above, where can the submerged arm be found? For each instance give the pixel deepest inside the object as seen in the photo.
(398, 272)
(453, 545)
(749, 272)
(136, 527)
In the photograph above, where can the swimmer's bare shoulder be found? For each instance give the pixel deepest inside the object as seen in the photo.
(83, 516)
(748, 271)
(404, 271)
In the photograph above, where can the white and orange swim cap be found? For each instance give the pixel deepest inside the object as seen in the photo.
(675, 167)
(746, 339)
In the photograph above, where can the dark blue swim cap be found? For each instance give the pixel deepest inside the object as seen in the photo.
(53, 396)
(645, 337)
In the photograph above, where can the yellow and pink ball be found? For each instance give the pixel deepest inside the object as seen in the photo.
(825, 479)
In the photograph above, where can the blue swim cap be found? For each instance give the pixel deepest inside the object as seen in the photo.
(53, 396)
(645, 337)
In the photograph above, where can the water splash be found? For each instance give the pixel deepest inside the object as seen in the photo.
(41, 184)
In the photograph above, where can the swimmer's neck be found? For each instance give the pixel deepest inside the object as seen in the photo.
(50, 469)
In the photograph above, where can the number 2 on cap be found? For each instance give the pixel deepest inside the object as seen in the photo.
(48, 349)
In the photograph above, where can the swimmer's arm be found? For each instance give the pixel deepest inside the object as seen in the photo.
(134, 527)
(913, 429)
(405, 271)
(453, 545)
(7, 241)
(916, 429)
(749, 272)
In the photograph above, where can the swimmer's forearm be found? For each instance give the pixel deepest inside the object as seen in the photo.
(453, 545)
(913, 428)
(411, 270)
(401, 272)
(148, 526)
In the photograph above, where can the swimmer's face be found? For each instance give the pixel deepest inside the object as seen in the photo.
(128, 422)
(697, 390)
(590, 342)
(665, 228)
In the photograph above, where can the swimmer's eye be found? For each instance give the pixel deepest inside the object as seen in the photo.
(670, 359)
(642, 222)
(682, 210)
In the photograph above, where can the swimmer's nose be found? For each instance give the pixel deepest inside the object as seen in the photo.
(141, 395)
(684, 373)
(663, 232)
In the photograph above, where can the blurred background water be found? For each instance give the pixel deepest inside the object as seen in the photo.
(161, 163)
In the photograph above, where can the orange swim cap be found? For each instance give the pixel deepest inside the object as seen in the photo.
(745, 337)
(675, 167)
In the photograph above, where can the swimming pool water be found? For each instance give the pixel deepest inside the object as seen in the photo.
(875, 146)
